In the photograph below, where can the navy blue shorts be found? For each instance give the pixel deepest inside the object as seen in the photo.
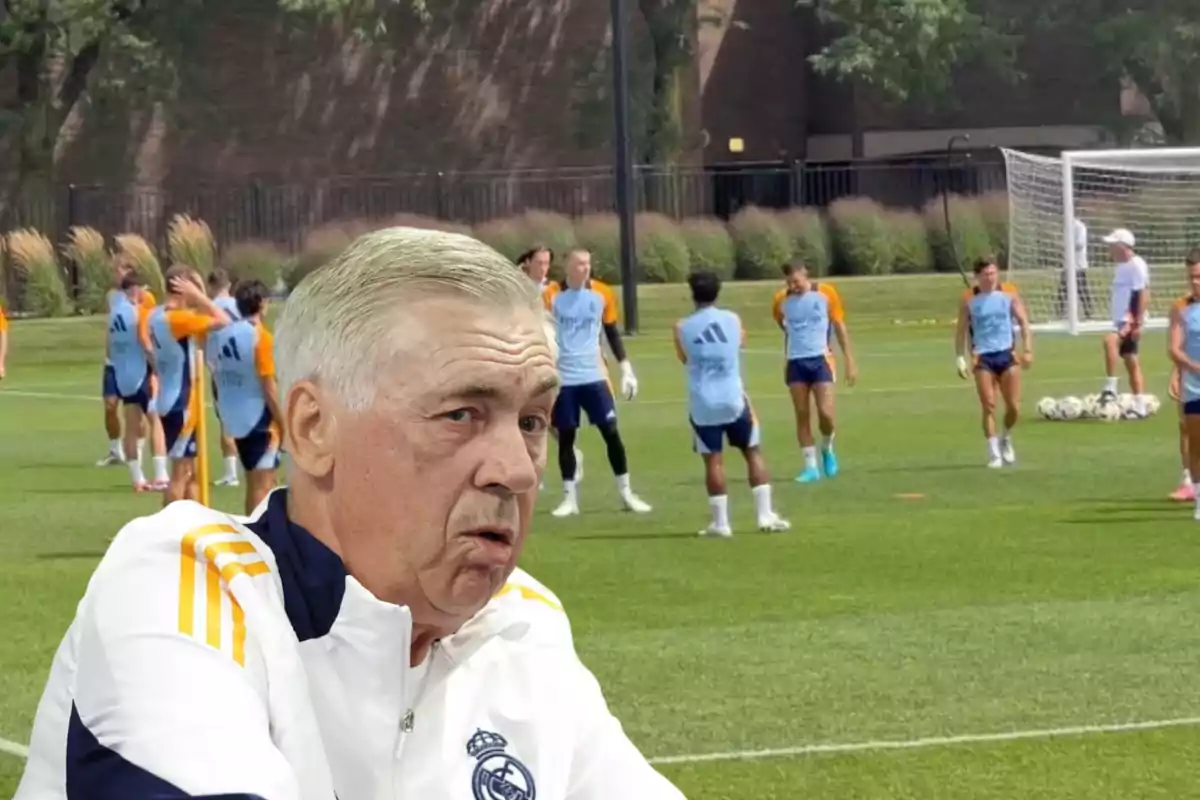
(259, 449)
(180, 436)
(1191, 407)
(595, 399)
(1127, 345)
(108, 385)
(996, 363)
(742, 434)
(810, 371)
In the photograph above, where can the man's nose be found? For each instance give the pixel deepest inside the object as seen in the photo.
(507, 464)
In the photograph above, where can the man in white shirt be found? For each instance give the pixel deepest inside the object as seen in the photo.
(1129, 298)
(365, 633)
(1083, 289)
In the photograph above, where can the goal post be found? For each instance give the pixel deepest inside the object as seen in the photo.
(1061, 208)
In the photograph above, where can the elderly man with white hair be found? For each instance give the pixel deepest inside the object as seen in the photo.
(365, 634)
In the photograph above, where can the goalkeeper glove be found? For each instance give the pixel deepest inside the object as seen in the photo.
(961, 364)
(629, 382)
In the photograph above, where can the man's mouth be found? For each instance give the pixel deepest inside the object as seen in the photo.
(498, 535)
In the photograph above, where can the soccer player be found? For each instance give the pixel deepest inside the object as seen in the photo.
(985, 319)
(1183, 348)
(1084, 293)
(219, 285)
(583, 307)
(188, 313)
(126, 351)
(108, 390)
(1129, 298)
(243, 367)
(3, 344)
(1185, 492)
(709, 343)
(367, 633)
(535, 262)
(808, 312)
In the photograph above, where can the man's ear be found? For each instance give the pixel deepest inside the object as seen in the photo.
(310, 429)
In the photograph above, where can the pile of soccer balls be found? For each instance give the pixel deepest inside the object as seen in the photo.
(1126, 406)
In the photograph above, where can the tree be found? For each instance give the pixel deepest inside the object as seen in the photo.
(910, 48)
(61, 50)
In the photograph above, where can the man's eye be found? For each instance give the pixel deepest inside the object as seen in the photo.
(533, 424)
(458, 415)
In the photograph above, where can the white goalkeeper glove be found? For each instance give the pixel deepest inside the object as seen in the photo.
(961, 363)
(629, 382)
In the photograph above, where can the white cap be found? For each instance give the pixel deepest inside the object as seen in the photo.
(1121, 236)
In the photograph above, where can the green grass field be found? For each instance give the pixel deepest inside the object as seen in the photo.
(1060, 593)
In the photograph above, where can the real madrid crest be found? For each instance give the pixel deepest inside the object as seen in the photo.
(498, 775)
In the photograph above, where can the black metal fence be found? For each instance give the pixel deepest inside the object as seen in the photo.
(282, 212)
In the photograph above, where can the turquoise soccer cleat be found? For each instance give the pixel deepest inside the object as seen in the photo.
(809, 475)
(830, 463)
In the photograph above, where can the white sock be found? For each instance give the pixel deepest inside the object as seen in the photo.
(623, 483)
(231, 472)
(1006, 436)
(1110, 385)
(570, 492)
(762, 501)
(827, 442)
(718, 506)
(1187, 477)
(115, 449)
(993, 447)
(810, 456)
(1196, 488)
(135, 472)
(161, 473)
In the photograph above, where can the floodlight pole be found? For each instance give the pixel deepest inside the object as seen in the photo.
(624, 162)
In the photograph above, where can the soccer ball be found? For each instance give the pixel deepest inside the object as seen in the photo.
(1070, 408)
(1090, 405)
(1126, 402)
(1108, 412)
(1151, 404)
(1047, 408)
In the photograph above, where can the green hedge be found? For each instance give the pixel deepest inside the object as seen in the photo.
(911, 251)
(601, 234)
(862, 237)
(760, 243)
(994, 208)
(971, 239)
(93, 268)
(31, 258)
(254, 260)
(662, 252)
(810, 238)
(710, 247)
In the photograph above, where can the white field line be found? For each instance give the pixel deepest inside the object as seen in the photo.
(932, 741)
(659, 402)
(14, 748)
(21, 751)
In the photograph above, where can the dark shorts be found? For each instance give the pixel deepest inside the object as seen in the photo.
(996, 363)
(594, 399)
(1127, 345)
(141, 398)
(259, 449)
(181, 437)
(742, 434)
(108, 384)
(809, 371)
(1191, 408)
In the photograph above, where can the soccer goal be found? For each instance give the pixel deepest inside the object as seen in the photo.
(1061, 208)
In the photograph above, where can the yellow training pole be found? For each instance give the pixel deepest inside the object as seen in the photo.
(198, 383)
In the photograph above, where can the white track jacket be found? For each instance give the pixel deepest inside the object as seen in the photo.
(222, 656)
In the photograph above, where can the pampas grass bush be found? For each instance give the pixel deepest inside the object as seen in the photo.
(190, 242)
(32, 258)
(138, 253)
(85, 248)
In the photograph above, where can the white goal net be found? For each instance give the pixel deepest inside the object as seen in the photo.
(1060, 209)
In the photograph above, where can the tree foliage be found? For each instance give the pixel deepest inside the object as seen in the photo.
(910, 48)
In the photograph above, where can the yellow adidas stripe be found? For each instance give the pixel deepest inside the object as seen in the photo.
(213, 577)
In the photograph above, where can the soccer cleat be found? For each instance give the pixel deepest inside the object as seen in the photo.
(143, 487)
(633, 503)
(1186, 493)
(809, 475)
(774, 524)
(716, 532)
(1107, 398)
(829, 462)
(995, 462)
(160, 486)
(1007, 454)
(229, 480)
(567, 508)
(111, 460)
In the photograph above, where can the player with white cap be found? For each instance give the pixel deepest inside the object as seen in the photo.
(1129, 299)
